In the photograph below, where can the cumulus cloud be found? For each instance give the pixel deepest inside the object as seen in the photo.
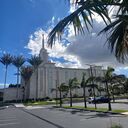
(80, 49)
(58, 50)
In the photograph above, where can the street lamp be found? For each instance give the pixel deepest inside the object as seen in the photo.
(91, 72)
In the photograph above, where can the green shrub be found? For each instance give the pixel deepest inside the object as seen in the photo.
(116, 126)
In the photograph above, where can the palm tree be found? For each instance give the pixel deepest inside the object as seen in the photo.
(118, 32)
(6, 60)
(35, 61)
(93, 86)
(108, 76)
(18, 61)
(62, 88)
(83, 14)
(84, 85)
(107, 80)
(26, 73)
(115, 82)
(117, 29)
(73, 84)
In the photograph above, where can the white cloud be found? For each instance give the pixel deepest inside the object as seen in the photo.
(81, 50)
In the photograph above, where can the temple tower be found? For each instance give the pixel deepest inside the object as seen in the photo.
(43, 52)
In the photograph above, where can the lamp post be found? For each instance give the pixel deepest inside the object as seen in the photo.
(91, 73)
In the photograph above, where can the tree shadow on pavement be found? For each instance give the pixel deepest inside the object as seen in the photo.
(102, 115)
(88, 114)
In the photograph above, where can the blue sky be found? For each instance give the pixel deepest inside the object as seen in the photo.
(23, 21)
(19, 19)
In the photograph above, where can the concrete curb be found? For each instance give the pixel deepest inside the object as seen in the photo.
(123, 113)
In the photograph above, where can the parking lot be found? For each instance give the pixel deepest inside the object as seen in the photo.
(49, 117)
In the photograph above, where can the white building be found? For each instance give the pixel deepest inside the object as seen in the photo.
(50, 76)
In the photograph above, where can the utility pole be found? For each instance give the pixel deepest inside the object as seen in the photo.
(91, 72)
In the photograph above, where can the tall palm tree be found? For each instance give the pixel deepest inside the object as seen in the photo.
(83, 14)
(62, 88)
(73, 84)
(18, 61)
(26, 73)
(84, 85)
(108, 76)
(35, 61)
(6, 60)
(117, 29)
(118, 32)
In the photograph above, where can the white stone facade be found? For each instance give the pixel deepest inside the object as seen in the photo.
(50, 76)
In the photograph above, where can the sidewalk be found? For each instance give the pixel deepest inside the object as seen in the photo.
(19, 105)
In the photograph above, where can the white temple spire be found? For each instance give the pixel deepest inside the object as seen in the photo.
(43, 52)
(42, 41)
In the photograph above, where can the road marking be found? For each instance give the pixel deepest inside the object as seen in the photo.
(9, 124)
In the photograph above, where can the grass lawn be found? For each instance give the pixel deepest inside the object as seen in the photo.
(98, 109)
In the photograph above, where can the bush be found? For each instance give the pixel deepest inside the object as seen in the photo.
(116, 126)
(75, 96)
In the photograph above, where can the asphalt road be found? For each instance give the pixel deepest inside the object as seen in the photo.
(48, 117)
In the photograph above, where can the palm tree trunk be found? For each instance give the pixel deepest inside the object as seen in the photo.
(70, 98)
(113, 95)
(109, 102)
(85, 104)
(60, 99)
(17, 93)
(94, 97)
(37, 84)
(5, 79)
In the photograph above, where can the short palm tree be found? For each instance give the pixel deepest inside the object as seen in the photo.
(18, 61)
(107, 78)
(93, 86)
(73, 84)
(62, 88)
(115, 82)
(6, 60)
(84, 85)
(35, 61)
(26, 73)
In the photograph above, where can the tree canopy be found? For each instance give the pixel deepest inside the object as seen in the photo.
(82, 17)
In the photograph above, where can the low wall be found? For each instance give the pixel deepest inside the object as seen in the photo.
(11, 94)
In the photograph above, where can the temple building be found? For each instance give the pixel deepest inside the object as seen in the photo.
(50, 77)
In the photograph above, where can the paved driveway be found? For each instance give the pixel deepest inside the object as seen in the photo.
(48, 117)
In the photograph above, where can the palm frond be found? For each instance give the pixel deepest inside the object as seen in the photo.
(26, 72)
(18, 61)
(118, 37)
(6, 59)
(35, 61)
(85, 11)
